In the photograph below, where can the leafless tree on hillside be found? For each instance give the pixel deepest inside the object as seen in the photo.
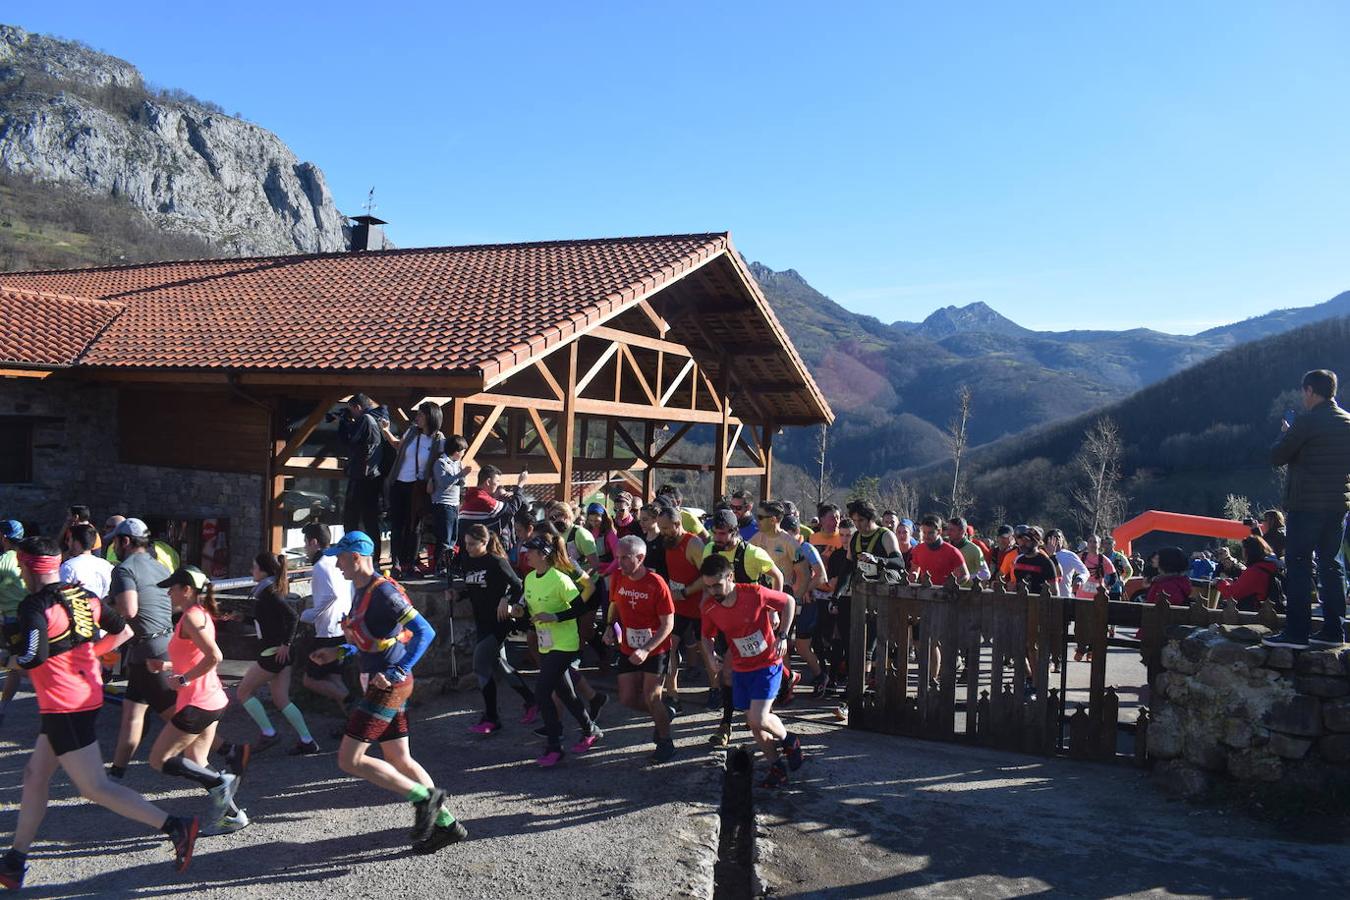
(1097, 494)
(957, 441)
(824, 474)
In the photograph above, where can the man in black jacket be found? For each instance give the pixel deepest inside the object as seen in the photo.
(359, 429)
(1316, 448)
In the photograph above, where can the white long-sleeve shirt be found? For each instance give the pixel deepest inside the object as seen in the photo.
(1070, 565)
(331, 598)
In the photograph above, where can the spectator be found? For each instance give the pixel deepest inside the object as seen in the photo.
(1226, 564)
(448, 475)
(1272, 529)
(1202, 567)
(1316, 448)
(1252, 586)
(492, 505)
(1171, 584)
(421, 445)
(93, 573)
(359, 428)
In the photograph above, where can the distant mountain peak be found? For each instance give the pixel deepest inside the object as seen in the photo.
(973, 317)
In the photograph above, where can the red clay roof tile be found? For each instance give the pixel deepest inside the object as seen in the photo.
(41, 329)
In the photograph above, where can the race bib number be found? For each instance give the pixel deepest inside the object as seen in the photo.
(751, 645)
(545, 638)
(637, 637)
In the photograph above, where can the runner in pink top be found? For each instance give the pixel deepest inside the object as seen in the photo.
(183, 746)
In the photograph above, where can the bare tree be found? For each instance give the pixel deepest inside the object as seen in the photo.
(1097, 495)
(957, 440)
(1236, 507)
(900, 496)
(824, 481)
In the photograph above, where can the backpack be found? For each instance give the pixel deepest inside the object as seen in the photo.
(740, 573)
(887, 576)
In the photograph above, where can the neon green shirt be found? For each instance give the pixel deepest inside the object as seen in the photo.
(758, 563)
(552, 592)
(12, 590)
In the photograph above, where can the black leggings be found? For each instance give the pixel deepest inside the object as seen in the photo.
(555, 678)
(402, 529)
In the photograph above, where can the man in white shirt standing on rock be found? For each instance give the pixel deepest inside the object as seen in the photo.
(330, 601)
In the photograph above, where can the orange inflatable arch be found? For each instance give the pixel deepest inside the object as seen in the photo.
(1177, 523)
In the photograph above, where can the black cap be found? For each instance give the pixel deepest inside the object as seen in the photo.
(725, 518)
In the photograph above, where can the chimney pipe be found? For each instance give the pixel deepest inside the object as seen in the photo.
(367, 233)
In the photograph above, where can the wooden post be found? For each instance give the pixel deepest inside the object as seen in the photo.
(766, 450)
(457, 417)
(567, 423)
(274, 483)
(649, 473)
(719, 486)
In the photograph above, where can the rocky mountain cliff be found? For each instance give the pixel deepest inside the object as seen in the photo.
(74, 117)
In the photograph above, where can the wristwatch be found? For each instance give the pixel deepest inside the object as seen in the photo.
(182, 680)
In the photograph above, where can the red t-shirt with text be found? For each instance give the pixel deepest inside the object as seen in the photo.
(640, 604)
(747, 625)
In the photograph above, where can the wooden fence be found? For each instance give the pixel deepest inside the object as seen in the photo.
(1009, 642)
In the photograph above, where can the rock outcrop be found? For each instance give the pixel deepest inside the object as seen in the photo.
(72, 116)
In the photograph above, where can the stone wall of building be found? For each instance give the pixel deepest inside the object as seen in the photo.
(75, 461)
(1227, 706)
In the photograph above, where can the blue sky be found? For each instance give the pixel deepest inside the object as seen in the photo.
(1071, 164)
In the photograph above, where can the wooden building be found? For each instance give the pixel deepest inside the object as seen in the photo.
(583, 361)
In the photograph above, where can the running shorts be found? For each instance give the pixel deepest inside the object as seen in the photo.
(195, 720)
(68, 732)
(151, 688)
(333, 668)
(688, 630)
(808, 616)
(761, 684)
(655, 664)
(271, 663)
(381, 714)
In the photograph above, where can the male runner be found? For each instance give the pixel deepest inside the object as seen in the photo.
(743, 613)
(56, 631)
(640, 603)
(683, 552)
(389, 637)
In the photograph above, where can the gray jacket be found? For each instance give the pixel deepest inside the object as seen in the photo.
(1317, 450)
(408, 440)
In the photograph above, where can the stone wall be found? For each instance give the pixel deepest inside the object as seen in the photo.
(1226, 705)
(75, 461)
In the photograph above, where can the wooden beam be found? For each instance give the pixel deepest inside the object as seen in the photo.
(648, 474)
(515, 402)
(583, 382)
(755, 454)
(567, 425)
(662, 326)
(274, 485)
(457, 416)
(638, 340)
(745, 471)
(766, 460)
(675, 385)
(731, 444)
(539, 428)
(610, 409)
(718, 398)
(482, 435)
(637, 373)
(306, 428)
(658, 455)
(632, 444)
(312, 464)
(548, 378)
(719, 485)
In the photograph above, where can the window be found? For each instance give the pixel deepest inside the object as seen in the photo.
(16, 449)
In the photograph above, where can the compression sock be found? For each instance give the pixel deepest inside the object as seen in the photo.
(728, 713)
(418, 794)
(253, 706)
(297, 720)
(490, 701)
(444, 819)
(115, 771)
(181, 767)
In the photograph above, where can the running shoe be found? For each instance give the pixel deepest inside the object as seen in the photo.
(304, 748)
(598, 703)
(442, 836)
(1322, 639)
(485, 726)
(776, 777)
(184, 838)
(11, 877)
(542, 731)
(531, 713)
(588, 741)
(714, 698)
(721, 737)
(665, 752)
(237, 758)
(788, 692)
(227, 824)
(550, 758)
(792, 748)
(672, 710)
(819, 685)
(675, 706)
(222, 795)
(1283, 640)
(424, 814)
(266, 742)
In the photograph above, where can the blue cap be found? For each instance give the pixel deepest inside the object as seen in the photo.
(908, 523)
(597, 508)
(353, 542)
(12, 529)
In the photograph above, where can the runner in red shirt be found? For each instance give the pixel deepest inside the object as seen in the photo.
(683, 555)
(937, 557)
(744, 614)
(642, 612)
(59, 648)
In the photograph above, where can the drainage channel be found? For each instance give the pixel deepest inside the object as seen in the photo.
(734, 874)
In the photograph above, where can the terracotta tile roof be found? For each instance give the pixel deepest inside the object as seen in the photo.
(431, 310)
(49, 330)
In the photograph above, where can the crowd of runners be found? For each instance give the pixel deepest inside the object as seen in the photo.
(651, 592)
